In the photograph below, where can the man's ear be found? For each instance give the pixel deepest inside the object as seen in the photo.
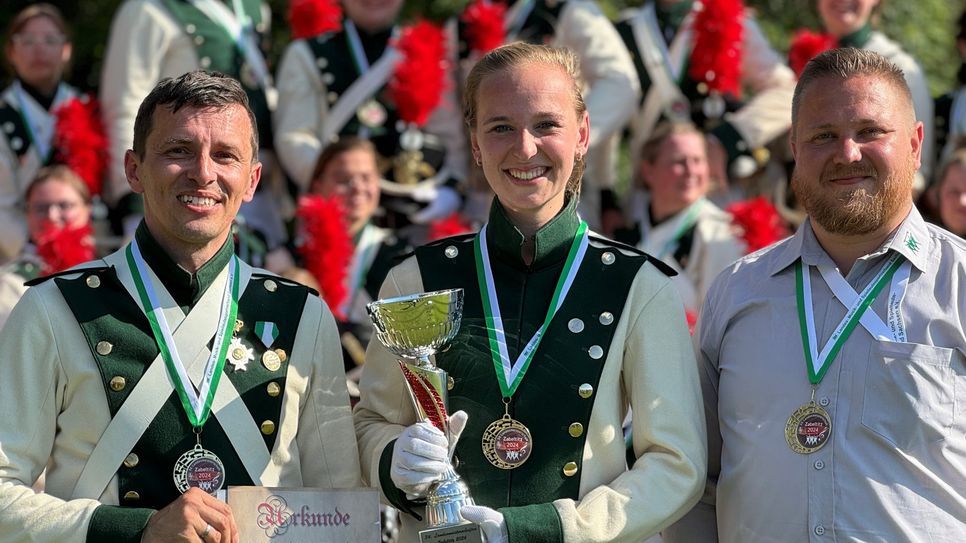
(132, 165)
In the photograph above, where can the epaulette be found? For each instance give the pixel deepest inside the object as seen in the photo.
(267, 275)
(69, 271)
(657, 262)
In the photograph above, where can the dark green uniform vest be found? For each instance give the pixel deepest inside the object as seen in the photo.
(547, 400)
(120, 340)
(217, 51)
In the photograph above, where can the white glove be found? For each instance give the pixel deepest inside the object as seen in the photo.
(443, 201)
(490, 520)
(421, 454)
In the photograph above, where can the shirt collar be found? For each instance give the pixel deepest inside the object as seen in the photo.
(551, 242)
(911, 239)
(185, 287)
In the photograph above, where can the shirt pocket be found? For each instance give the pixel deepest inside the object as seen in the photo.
(909, 393)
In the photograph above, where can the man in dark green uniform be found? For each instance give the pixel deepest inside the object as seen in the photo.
(147, 381)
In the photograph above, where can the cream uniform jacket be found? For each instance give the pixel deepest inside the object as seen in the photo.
(576, 486)
(58, 405)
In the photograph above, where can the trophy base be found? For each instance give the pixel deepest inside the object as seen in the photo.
(460, 533)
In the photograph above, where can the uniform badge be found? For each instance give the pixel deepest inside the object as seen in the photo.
(267, 332)
(239, 355)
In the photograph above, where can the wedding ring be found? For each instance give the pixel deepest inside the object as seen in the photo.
(204, 534)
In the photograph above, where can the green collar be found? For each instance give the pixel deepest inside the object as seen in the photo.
(674, 14)
(857, 39)
(185, 287)
(551, 242)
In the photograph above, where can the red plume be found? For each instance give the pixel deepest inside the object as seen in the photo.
(453, 225)
(80, 141)
(61, 248)
(309, 18)
(327, 247)
(692, 319)
(716, 56)
(418, 82)
(759, 222)
(807, 45)
(484, 25)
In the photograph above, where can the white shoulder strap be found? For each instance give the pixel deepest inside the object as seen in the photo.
(357, 93)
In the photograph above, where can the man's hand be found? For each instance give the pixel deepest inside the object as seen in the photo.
(187, 518)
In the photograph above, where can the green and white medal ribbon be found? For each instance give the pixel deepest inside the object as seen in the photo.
(510, 375)
(197, 404)
(687, 220)
(362, 258)
(817, 362)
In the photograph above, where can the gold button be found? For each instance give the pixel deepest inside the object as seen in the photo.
(576, 429)
(270, 285)
(450, 383)
(132, 495)
(93, 281)
(273, 389)
(238, 325)
(570, 469)
(131, 460)
(268, 427)
(104, 348)
(118, 383)
(585, 390)
(281, 354)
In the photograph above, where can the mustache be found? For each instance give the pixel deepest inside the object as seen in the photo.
(852, 170)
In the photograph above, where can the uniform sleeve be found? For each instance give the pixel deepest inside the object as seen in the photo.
(32, 392)
(326, 441)
(661, 383)
(139, 40)
(298, 117)
(385, 408)
(605, 64)
(700, 523)
(768, 113)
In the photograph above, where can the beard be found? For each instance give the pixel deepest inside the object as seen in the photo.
(859, 210)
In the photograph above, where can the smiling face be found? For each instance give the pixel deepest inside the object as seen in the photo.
(843, 17)
(952, 199)
(196, 172)
(372, 15)
(39, 52)
(353, 176)
(678, 176)
(527, 136)
(857, 147)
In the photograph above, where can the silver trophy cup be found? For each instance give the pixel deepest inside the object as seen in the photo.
(413, 328)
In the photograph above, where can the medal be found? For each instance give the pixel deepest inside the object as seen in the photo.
(372, 114)
(810, 426)
(507, 443)
(271, 361)
(199, 468)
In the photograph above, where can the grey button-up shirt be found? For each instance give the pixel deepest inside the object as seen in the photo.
(894, 468)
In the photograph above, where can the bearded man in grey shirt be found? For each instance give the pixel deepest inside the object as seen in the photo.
(833, 362)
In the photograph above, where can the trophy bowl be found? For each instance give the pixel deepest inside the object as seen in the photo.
(417, 325)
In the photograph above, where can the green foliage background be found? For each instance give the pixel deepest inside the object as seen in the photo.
(925, 28)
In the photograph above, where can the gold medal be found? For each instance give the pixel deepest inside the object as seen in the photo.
(507, 443)
(271, 361)
(808, 429)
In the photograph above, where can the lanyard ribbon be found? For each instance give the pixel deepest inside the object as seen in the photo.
(197, 404)
(510, 375)
(362, 258)
(685, 222)
(819, 362)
